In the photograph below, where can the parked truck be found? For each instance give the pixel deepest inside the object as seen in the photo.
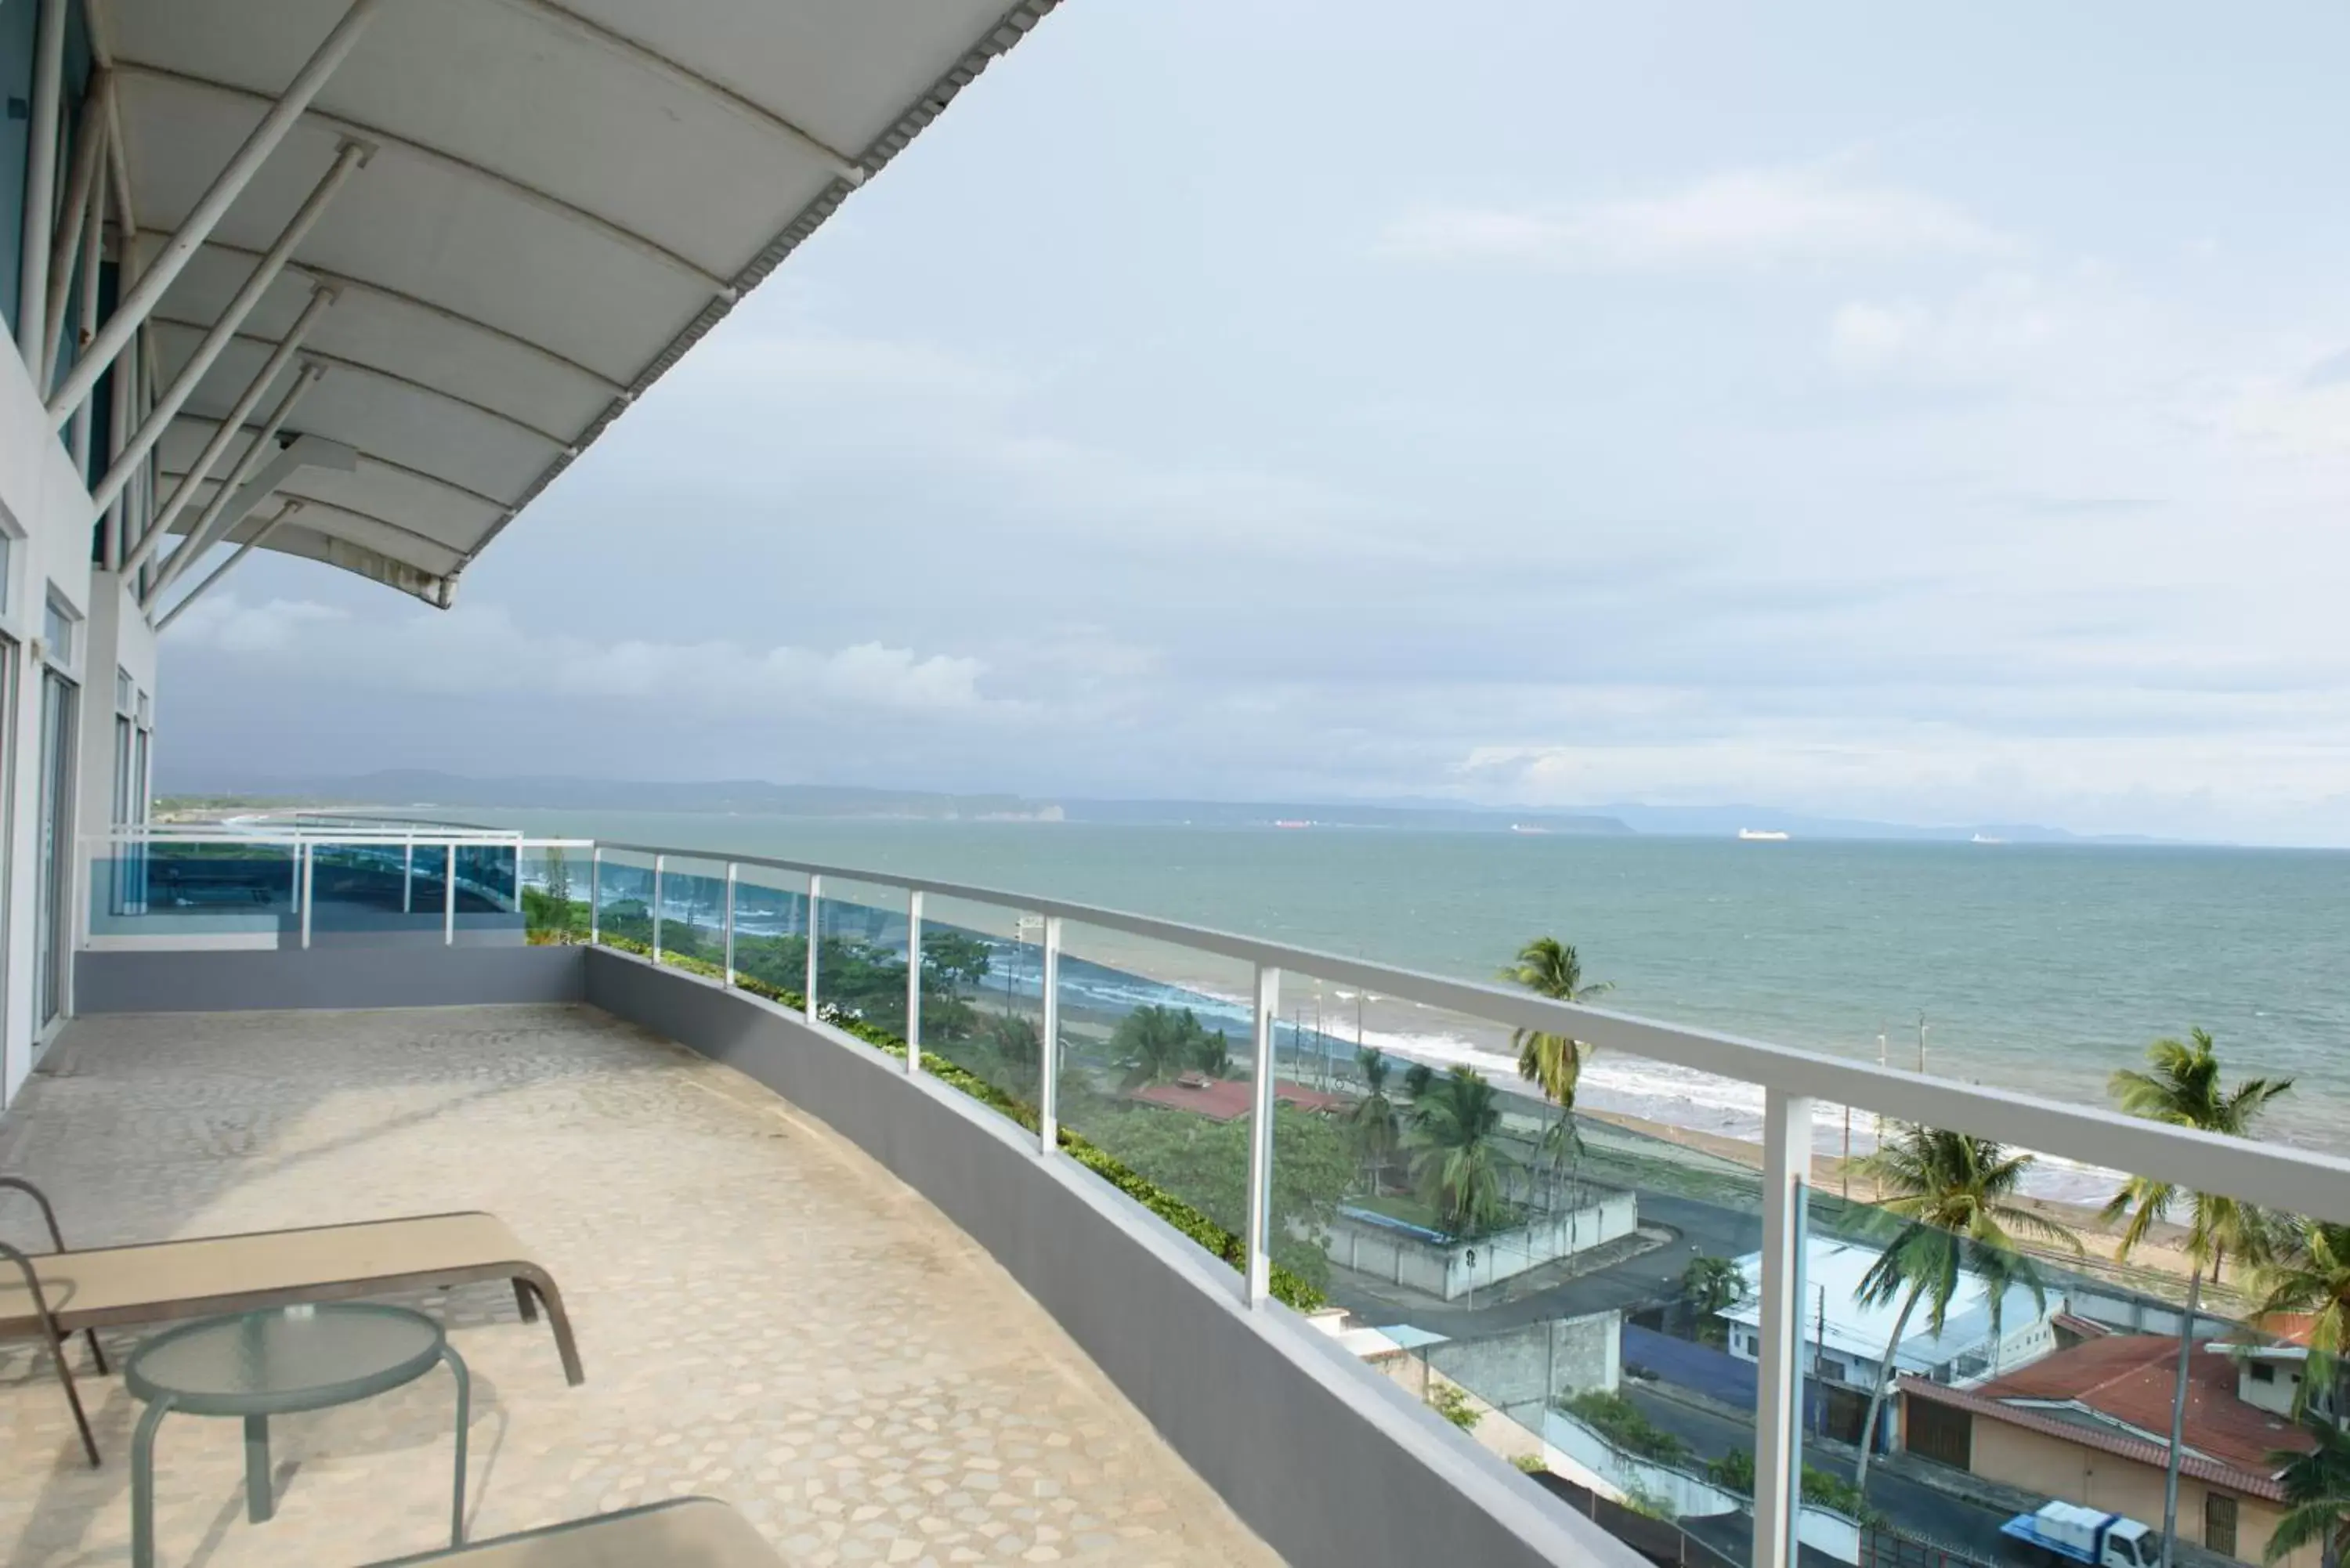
(2064, 1533)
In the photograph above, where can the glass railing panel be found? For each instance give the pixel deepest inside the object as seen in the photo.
(366, 887)
(1157, 1080)
(489, 893)
(555, 892)
(239, 889)
(624, 900)
(693, 914)
(771, 934)
(983, 1001)
(2021, 1349)
(1550, 1277)
(861, 953)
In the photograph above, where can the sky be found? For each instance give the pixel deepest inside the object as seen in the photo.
(1935, 415)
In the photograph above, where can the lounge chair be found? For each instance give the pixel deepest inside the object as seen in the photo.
(59, 1294)
(685, 1532)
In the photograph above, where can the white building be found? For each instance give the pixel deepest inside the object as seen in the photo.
(1843, 1340)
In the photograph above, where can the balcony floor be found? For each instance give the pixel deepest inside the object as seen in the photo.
(765, 1314)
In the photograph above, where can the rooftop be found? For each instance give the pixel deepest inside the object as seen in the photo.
(1832, 1271)
(1228, 1099)
(2115, 1394)
(836, 1358)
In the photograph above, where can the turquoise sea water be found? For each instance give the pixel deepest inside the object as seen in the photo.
(2039, 967)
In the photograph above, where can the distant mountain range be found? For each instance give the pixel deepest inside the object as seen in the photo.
(422, 787)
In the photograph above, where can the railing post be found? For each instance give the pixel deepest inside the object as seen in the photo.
(1048, 1052)
(449, 894)
(408, 876)
(595, 895)
(816, 892)
(1259, 1273)
(1779, 1428)
(658, 861)
(309, 862)
(913, 980)
(730, 922)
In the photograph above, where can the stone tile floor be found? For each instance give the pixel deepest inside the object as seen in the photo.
(765, 1314)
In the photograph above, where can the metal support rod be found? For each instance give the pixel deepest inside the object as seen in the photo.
(309, 884)
(1048, 1053)
(41, 187)
(71, 237)
(230, 426)
(93, 252)
(260, 537)
(913, 980)
(1778, 1419)
(816, 892)
(406, 860)
(449, 894)
(230, 500)
(660, 861)
(1259, 1277)
(730, 869)
(595, 895)
(224, 330)
(137, 305)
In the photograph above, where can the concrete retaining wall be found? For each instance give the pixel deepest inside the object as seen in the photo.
(1443, 1269)
(1331, 1464)
(377, 975)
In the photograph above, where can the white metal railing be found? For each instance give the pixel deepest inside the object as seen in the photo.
(2291, 1181)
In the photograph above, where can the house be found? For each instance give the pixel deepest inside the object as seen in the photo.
(2091, 1423)
(1230, 1099)
(2270, 1363)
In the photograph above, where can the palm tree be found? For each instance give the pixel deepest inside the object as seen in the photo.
(2311, 1273)
(1377, 1127)
(2316, 1494)
(1159, 1045)
(1712, 1286)
(1418, 1078)
(1956, 1198)
(1551, 967)
(1461, 1168)
(2182, 1088)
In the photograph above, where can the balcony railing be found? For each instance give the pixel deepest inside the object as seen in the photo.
(1176, 1060)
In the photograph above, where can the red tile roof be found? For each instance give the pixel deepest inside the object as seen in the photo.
(1228, 1099)
(2129, 1378)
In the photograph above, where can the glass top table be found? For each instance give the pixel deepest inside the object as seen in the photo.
(287, 1359)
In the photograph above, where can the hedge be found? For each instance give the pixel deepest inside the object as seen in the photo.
(1287, 1286)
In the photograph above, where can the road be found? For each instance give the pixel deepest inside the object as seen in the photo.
(1911, 1505)
(1701, 1229)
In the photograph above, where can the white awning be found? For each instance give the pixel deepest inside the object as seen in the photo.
(560, 199)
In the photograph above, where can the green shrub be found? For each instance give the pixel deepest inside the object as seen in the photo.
(1734, 1472)
(1533, 1464)
(1287, 1285)
(1453, 1405)
(1620, 1421)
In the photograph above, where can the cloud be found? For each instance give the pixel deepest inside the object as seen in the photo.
(2309, 417)
(478, 650)
(1743, 218)
(223, 623)
(1985, 333)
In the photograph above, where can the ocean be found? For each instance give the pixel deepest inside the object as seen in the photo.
(2033, 967)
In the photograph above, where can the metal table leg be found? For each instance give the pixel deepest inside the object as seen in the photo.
(464, 1415)
(142, 1484)
(258, 1503)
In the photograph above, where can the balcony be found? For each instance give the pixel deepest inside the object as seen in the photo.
(1040, 1272)
(764, 1312)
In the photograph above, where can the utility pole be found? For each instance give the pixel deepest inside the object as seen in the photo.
(1820, 1370)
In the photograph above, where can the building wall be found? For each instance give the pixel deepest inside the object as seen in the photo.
(1443, 1270)
(2052, 1466)
(44, 515)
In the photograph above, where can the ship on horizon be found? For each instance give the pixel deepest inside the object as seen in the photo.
(1762, 835)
